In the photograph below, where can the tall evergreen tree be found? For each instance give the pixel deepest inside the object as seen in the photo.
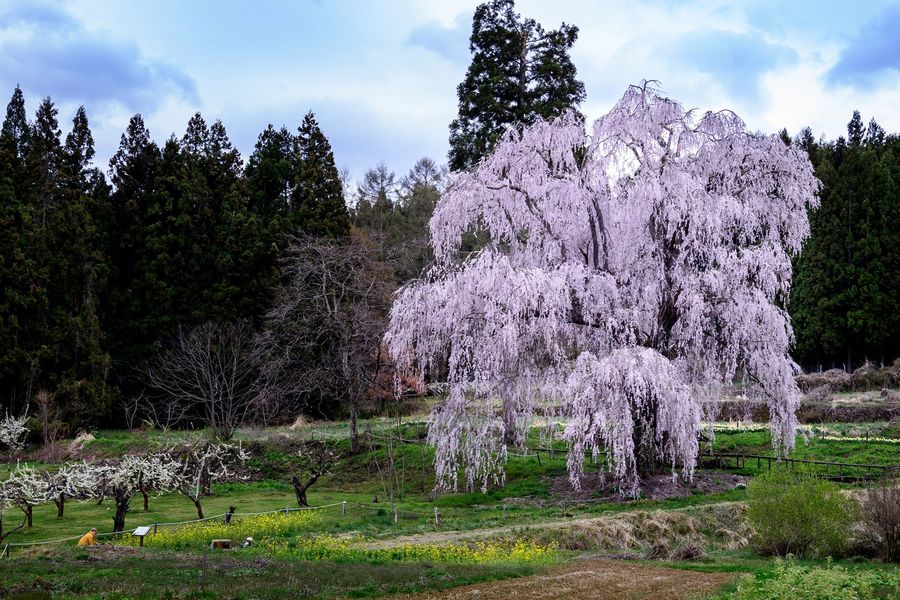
(18, 288)
(130, 318)
(318, 196)
(77, 276)
(518, 72)
(270, 173)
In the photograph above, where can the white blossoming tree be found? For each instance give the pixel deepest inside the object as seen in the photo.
(201, 465)
(628, 275)
(13, 431)
(71, 481)
(25, 488)
(122, 480)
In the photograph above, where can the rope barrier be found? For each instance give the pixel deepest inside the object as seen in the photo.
(68, 539)
(187, 522)
(286, 509)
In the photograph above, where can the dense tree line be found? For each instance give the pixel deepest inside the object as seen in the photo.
(845, 302)
(96, 274)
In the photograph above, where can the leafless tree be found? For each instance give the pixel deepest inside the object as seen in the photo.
(208, 374)
(323, 335)
(316, 460)
(48, 417)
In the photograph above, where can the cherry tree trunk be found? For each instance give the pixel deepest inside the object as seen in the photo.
(300, 492)
(60, 506)
(119, 516)
(199, 509)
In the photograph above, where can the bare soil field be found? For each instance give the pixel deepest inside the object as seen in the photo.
(594, 579)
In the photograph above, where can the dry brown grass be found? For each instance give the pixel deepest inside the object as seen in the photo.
(656, 534)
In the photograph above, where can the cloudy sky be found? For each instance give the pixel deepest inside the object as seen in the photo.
(381, 75)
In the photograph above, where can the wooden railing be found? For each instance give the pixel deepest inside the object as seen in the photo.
(830, 470)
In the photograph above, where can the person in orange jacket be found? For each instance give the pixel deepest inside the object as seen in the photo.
(89, 539)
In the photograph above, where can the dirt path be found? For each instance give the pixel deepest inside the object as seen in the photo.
(594, 579)
(449, 537)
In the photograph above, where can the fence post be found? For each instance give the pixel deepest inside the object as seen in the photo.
(285, 511)
(154, 528)
(395, 516)
(437, 517)
(343, 508)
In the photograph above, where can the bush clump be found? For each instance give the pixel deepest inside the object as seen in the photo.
(796, 512)
(820, 583)
(881, 518)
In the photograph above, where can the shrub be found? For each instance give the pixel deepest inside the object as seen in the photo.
(828, 583)
(795, 512)
(881, 516)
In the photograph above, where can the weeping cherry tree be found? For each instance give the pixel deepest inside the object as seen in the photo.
(629, 274)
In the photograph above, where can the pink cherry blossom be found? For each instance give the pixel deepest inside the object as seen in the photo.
(626, 277)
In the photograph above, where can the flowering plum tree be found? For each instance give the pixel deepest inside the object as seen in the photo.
(197, 467)
(122, 480)
(26, 487)
(13, 431)
(628, 275)
(75, 481)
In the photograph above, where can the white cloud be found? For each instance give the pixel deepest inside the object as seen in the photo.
(378, 75)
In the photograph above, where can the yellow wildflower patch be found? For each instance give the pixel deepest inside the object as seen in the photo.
(199, 535)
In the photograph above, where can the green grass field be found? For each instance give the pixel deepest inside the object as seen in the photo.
(61, 570)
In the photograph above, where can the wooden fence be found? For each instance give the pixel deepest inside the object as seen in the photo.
(836, 471)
